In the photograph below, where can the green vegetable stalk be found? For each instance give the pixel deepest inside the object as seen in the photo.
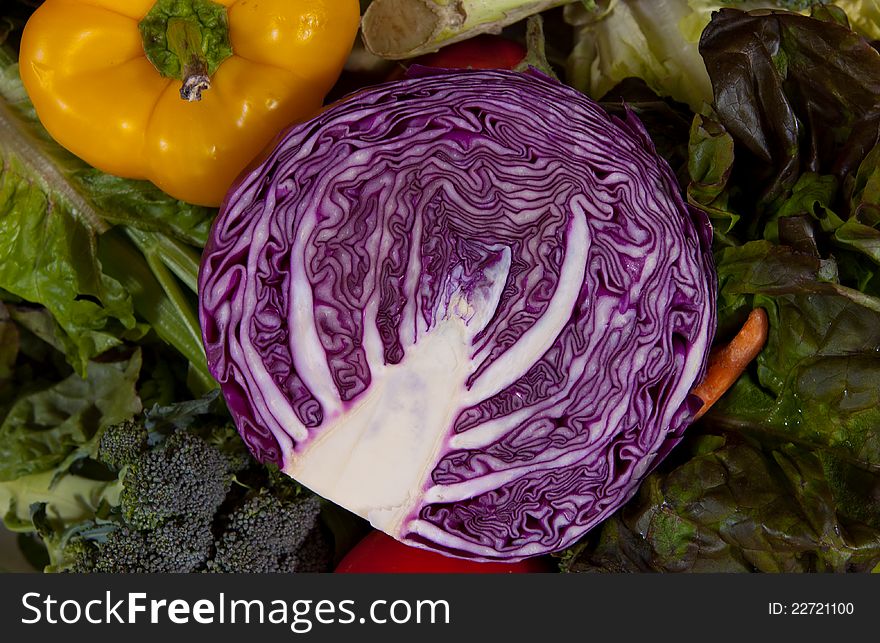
(399, 29)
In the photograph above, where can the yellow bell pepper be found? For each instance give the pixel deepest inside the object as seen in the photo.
(183, 93)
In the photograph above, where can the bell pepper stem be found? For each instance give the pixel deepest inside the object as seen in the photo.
(185, 41)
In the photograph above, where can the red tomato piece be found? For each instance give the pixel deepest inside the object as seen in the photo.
(480, 52)
(379, 553)
(485, 51)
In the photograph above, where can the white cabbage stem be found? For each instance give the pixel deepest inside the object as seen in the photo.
(398, 29)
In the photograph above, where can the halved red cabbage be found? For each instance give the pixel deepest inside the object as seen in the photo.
(469, 306)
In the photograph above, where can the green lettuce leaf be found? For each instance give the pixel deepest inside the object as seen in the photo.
(864, 16)
(50, 419)
(802, 241)
(731, 505)
(815, 382)
(793, 484)
(635, 38)
(69, 499)
(44, 428)
(710, 162)
(864, 189)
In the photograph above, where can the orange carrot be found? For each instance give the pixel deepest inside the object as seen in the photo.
(727, 363)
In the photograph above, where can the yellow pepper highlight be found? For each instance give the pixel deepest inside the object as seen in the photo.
(84, 67)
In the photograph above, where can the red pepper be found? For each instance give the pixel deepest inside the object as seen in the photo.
(485, 51)
(379, 553)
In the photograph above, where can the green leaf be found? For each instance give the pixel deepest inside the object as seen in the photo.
(813, 195)
(856, 490)
(159, 299)
(860, 237)
(44, 428)
(41, 323)
(47, 250)
(142, 205)
(815, 382)
(865, 190)
(69, 499)
(731, 506)
(711, 157)
(624, 40)
(760, 267)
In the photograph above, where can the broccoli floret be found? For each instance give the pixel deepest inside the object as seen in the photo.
(122, 444)
(192, 500)
(231, 446)
(267, 533)
(178, 545)
(79, 555)
(184, 476)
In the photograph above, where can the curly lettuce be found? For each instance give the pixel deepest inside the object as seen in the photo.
(657, 41)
